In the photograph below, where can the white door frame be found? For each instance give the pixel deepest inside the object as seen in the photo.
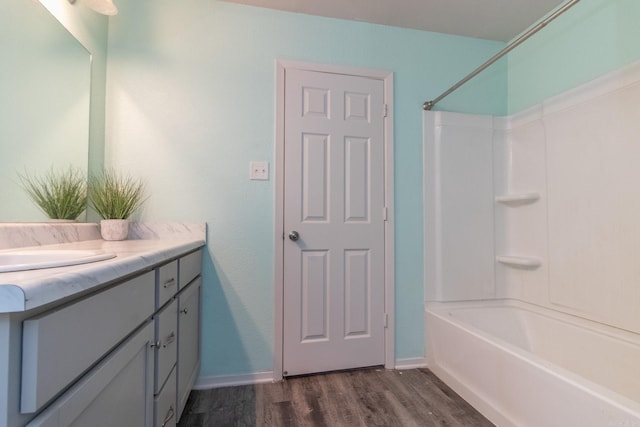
(389, 284)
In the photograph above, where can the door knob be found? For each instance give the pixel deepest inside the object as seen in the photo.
(293, 235)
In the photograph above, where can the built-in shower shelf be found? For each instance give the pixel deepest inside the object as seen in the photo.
(519, 261)
(518, 198)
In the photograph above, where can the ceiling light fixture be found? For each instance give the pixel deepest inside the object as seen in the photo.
(105, 7)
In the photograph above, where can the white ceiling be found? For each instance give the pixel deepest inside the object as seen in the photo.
(486, 19)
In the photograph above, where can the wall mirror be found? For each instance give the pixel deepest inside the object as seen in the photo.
(44, 104)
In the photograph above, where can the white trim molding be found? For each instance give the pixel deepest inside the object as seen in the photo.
(389, 246)
(209, 382)
(411, 363)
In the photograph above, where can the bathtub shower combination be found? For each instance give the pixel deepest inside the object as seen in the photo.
(532, 277)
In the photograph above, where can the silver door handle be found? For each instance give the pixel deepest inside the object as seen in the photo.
(293, 235)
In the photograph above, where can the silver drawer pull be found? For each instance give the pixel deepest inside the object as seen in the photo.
(184, 311)
(171, 338)
(169, 416)
(169, 282)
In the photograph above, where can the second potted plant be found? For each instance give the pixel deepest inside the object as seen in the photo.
(115, 197)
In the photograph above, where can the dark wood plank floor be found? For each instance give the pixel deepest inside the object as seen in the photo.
(367, 397)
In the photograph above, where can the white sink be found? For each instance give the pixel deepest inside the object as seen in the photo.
(33, 259)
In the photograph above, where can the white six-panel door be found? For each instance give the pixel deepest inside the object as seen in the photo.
(334, 200)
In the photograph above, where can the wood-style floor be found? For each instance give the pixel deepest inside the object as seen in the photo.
(367, 397)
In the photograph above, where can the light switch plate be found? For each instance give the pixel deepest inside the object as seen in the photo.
(259, 171)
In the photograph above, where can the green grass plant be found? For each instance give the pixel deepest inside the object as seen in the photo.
(115, 196)
(59, 194)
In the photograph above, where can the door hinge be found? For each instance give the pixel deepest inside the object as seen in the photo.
(384, 213)
(385, 110)
(386, 320)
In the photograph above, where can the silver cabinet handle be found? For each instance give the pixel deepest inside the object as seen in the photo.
(157, 344)
(169, 282)
(171, 338)
(170, 413)
(184, 311)
(294, 235)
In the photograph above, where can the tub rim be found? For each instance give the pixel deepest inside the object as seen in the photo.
(441, 311)
(562, 316)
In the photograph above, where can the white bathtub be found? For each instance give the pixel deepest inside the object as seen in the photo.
(523, 365)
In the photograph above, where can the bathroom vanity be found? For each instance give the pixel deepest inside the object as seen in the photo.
(108, 343)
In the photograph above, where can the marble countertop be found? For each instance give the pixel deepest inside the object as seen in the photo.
(26, 290)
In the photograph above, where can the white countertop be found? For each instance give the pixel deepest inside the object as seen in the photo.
(26, 290)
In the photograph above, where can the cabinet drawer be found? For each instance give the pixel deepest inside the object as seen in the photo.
(167, 283)
(124, 376)
(188, 341)
(166, 342)
(59, 345)
(190, 267)
(165, 404)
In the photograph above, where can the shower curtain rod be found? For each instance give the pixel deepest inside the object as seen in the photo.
(429, 104)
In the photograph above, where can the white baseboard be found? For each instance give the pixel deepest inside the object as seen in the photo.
(215, 381)
(204, 383)
(411, 363)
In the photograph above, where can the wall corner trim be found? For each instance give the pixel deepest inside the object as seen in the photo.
(217, 381)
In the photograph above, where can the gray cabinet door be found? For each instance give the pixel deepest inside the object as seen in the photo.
(117, 392)
(188, 340)
(59, 345)
(166, 344)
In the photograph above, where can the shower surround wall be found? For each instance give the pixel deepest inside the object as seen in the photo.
(537, 215)
(542, 206)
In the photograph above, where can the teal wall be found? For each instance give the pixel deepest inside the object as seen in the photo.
(591, 39)
(190, 101)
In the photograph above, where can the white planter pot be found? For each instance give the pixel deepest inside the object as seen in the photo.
(114, 229)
